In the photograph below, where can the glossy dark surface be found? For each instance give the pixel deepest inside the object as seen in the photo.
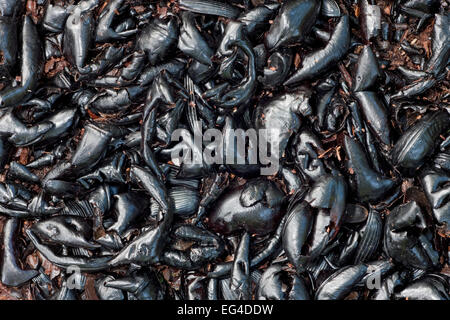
(104, 103)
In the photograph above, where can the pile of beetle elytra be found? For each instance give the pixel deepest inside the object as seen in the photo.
(93, 206)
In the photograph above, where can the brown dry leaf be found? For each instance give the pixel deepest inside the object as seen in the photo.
(7, 293)
(446, 269)
(172, 276)
(92, 115)
(161, 11)
(49, 269)
(442, 231)
(33, 260)
(102, 7)
(405, 34)
(54, 65)
(31, 6)
(352, 296)
(297, 60)
(89, 289)
(330, 139)
(99, 230)
(356, 8)
(229, 258)
(347, 76)
(23, 155)
(32, 10)
(338, 154)
(324, 153)
(406, 184)
(257, 2)
(166, 274)
(139, 9)
(358, 49)
(424, 39)
(2, 223)
(427, 47)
